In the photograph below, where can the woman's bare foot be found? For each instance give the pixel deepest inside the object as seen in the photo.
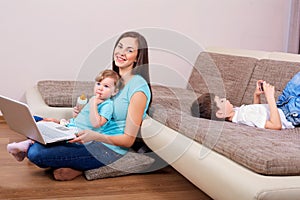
(66, 174)
(19, 149)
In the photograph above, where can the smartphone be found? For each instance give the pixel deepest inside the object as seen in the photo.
(261, 86)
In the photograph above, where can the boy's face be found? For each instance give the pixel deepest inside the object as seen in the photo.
(225, 107)
(105, 89)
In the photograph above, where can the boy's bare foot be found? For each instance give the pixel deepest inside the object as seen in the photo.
(66, 174)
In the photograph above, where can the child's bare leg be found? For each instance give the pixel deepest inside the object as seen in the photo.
(19, 149)
(66, 174)
(51, 120)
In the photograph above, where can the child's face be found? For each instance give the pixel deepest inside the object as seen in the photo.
(225, 107)
(105, 89)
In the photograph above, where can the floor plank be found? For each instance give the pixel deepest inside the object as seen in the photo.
(23, 180)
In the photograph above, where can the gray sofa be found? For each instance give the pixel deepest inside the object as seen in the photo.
(225, 160)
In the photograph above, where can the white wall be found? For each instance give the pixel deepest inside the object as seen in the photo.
(51, 39)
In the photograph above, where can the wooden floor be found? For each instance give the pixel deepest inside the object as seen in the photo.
(23, 180)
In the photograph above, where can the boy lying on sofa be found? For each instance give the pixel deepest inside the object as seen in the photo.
(284, 114)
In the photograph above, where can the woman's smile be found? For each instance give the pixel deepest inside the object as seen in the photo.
(120, 59)
(125, 52)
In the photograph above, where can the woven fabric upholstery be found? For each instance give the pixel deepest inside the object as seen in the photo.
(277, 73)
(64, 93)
(263, 151)
(130, 163)
(214, 72)
(178, 98)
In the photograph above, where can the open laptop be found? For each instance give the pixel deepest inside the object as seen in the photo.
(18, 117)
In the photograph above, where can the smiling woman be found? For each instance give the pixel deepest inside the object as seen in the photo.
(92, 149)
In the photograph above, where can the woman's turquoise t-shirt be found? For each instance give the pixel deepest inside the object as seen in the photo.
(116, 125)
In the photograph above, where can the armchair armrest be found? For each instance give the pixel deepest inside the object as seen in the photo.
(38, 106)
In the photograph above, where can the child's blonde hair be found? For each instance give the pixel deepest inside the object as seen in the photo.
(108, 73)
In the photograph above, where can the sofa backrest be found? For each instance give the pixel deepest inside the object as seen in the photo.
(240, 72)
(276, 72)
(59, 93)
(235, 73)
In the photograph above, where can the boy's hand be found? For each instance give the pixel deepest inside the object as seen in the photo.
(258, 89)
(269, 91)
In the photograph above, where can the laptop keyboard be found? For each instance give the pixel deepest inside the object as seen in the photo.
(54, 132)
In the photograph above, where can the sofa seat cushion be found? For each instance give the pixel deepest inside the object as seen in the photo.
(222, 74)
(263, 151)
(173, 98)
(59, 93)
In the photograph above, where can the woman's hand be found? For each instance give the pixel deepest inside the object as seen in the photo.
(85, 136)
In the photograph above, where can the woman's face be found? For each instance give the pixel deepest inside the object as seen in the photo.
(125, 53)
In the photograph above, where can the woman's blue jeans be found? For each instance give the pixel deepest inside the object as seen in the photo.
(70, 155)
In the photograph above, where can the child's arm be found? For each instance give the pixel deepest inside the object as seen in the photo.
(275, 121)
(96, 119)
(258, 91)
(75, 111)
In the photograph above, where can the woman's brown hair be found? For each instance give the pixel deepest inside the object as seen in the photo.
(141, 66)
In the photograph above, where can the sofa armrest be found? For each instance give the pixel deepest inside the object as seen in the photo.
(38, 106)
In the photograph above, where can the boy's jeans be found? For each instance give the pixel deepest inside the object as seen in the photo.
(289, 100)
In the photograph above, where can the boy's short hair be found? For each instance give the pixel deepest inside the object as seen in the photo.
(108, 73)
(205, 107)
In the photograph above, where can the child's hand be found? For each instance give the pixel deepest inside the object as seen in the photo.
(258, 90)
(96, 99)
(75, 111)
(269, 91)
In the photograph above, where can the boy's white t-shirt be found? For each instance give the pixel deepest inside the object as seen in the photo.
(256, 115)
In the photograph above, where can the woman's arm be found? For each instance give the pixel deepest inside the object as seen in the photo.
(134, 119)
